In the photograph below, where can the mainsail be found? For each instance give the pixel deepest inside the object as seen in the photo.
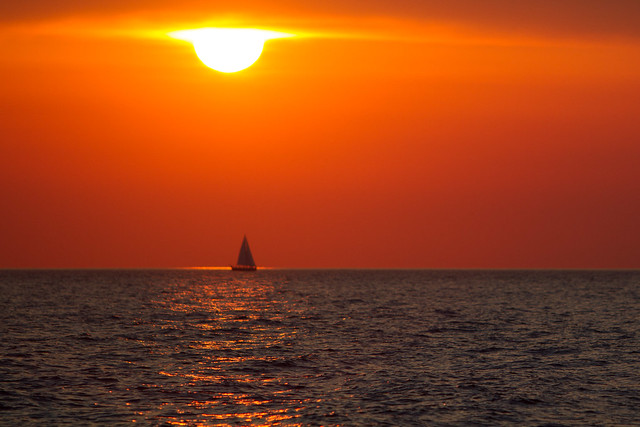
(245, 259)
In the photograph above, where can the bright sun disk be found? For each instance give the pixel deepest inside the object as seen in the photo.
(228, 49)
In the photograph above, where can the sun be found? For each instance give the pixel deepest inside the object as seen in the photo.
(228, 50)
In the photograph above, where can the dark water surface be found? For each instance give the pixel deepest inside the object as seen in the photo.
(276, 347)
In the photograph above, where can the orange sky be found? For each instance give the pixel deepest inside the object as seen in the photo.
(491, 134)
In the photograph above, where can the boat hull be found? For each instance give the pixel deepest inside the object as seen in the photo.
(244, 268)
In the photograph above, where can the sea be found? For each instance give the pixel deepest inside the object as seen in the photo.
(201, 347)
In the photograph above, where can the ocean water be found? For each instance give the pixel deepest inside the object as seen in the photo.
(325, 347)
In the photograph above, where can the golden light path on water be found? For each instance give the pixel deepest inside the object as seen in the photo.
(232, 327)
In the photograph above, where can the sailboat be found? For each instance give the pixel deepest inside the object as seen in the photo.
(245, 259)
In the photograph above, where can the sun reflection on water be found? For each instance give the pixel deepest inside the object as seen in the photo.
(227, 350)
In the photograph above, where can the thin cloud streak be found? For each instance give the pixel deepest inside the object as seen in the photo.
(539, 19)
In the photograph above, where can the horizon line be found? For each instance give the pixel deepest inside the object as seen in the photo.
(228, 268)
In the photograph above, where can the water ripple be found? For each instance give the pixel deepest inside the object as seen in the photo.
(319, 347)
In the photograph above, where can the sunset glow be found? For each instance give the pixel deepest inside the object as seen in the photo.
(392, 134)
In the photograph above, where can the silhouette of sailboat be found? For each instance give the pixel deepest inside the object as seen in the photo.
(245, 259)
